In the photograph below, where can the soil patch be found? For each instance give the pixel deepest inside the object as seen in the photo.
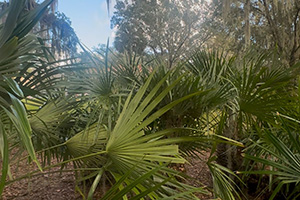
(53, 185)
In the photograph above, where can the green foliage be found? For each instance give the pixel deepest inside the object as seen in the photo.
(116, 117)
(279, 155)
(13, 35)
(224, 185)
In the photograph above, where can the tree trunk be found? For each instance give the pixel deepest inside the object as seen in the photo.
(247, 24)
(228, 155)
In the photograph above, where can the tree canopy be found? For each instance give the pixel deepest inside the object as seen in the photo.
(168, 29)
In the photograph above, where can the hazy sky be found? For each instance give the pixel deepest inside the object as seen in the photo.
(89, 19)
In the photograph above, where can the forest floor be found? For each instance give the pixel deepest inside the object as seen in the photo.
(52, 185)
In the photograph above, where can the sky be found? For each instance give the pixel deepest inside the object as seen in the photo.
(89, 19)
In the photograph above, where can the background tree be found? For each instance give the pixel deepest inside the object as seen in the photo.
(54, 28)
(261, 23)
(58, 34)
(166, 29)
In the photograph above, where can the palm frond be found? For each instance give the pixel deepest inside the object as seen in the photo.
(126, 145)
(279, 154)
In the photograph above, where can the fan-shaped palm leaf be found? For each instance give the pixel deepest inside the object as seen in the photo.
(126, 146)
